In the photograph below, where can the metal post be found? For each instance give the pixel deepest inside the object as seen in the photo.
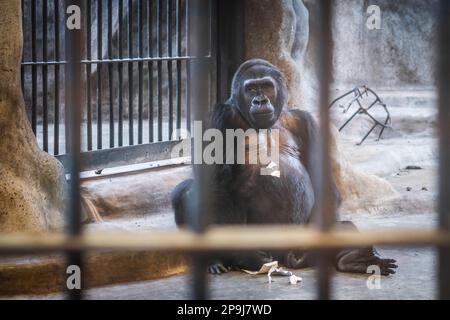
(170, 66)
(130, 74)
(325, 204)
(99, 74)
(56, 75)
(111, 75)
(33, 67)
(444, 144)
(140, 38)
(159, 33)
(74, 48)
(44, 76)
(200, 86)
(88, 76)
(150, 71)
(121, 40)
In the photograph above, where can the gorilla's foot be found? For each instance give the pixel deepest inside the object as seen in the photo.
(359, 260)
(218, 268)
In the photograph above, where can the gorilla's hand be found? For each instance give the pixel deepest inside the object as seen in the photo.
(298, 260)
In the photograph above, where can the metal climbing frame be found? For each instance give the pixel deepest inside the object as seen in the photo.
(358, 95)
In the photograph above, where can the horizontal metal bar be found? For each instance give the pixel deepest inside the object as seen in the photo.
(124, 60)
(107, 158)
(222, 239)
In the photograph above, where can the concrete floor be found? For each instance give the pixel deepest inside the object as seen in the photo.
(415, 280)
(415, 277)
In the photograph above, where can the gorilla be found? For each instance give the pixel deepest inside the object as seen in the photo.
(241, 195)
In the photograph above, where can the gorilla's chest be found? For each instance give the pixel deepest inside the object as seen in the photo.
(284, 186)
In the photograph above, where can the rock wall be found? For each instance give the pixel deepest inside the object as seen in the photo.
(32, 183)
(400, 54)
(278, 32)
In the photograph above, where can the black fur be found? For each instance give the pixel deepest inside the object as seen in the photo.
(241, 195)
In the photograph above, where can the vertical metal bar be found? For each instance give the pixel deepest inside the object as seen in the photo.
(150, 71)
(444, 144)
(110, 76)
(88, 75)
(198, 31)
(169, 65)
(323, 177)
(33, 68)
(44, 76)
(188, 71)
(120, 71)
(159, 66)
(178, 85)
(74, 48)
(140, 69)
(130, 73)
(22, 68)
(213, 28)
(56, 76)
(99, 72)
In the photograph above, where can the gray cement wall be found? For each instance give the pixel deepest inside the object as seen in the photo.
(400, 54)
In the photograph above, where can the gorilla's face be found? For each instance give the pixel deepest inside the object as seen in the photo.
(261, 93)
(258, 96)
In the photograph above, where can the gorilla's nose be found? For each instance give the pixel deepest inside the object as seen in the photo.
(260, 100)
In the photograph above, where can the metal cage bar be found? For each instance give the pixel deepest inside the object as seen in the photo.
(74, 49)
(322, 175)
(130, 74)
(99, 75)
(226, 238)
(136, 71)
(444, 144)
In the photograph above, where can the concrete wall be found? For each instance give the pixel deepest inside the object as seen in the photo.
(399, 55)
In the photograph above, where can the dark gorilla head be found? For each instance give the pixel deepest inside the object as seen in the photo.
(259, 92)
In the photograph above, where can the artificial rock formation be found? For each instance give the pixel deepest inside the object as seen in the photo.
(278, 32)
(283, 32)
(32, 183)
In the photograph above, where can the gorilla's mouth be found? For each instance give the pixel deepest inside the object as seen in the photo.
(262, 113)
(262, 118)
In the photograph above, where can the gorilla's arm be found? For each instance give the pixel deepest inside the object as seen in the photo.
(180, 198)
(302, 124)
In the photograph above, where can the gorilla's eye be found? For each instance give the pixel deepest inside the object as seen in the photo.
(267, 85)
(251, 89)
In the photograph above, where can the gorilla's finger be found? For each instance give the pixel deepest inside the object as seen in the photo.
(213, 269)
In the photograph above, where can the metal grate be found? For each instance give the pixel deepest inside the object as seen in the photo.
(257, 237)
(136, 71)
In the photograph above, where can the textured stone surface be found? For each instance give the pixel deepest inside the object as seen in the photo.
(400, 54)
(289, 42)
(278, 31)
(132, 194)
(32, 184)
(45, 274)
